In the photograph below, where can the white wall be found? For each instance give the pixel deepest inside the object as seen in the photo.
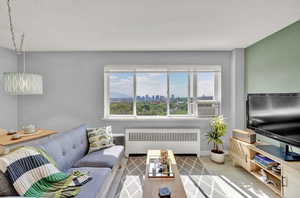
(73, 88)
(8, 104)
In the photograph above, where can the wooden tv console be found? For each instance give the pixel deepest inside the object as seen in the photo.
(286, 184)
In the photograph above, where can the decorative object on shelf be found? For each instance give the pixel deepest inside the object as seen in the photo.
(276, 169)
(264, 176)
(217, 131)
(29, 129)
(164, 161)
(244, 135)
(21, 83)
(164, 156)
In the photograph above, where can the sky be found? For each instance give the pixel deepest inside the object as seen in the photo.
(121, 84)
(206, 84)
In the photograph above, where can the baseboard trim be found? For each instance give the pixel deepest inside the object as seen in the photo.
(202, 153)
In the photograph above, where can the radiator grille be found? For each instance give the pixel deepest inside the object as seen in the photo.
(165, 137)
(179, 140)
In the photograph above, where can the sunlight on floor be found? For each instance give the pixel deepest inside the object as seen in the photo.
(227, 182)
(259, 193)
(211, 186)
(238, 179)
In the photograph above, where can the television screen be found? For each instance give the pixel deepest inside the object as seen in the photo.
(275, 115)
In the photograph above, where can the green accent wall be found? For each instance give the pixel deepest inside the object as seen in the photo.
(273, 64)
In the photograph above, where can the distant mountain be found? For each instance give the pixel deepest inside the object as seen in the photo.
(118, 95)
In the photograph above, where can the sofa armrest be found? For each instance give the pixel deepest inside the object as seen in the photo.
(119, 138)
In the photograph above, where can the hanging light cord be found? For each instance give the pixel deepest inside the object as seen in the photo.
(24, 61)
(13, 37)
(12, 31)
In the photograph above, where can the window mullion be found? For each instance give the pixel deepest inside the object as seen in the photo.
(107, 94)
(168, 94)
(218, 90)
(134, 93)
(190, 95)
(216, 97)
(195, 88)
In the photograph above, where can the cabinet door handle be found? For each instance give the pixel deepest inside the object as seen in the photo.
(284, 182)
(246, 158)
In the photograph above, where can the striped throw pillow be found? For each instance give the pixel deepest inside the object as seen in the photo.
(99, 138)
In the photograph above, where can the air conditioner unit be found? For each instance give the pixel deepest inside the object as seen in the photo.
(208, 108)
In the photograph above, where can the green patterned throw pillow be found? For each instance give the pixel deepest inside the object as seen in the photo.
(99, 138)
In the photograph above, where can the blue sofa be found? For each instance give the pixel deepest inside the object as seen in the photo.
(69, 150)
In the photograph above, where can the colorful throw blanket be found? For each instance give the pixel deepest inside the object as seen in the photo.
(34, 174)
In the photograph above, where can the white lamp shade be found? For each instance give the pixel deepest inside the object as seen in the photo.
(17, 83)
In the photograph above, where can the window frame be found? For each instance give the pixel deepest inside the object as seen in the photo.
(192, 89)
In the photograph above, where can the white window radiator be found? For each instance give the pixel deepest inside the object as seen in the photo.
(180, 140)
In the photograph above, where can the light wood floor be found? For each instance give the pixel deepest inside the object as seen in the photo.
(239, 177)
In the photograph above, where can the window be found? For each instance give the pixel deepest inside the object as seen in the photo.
(207, 94)
(179, 93)
(206, 85)
(151, 94)
(164, 92)
(121, 93)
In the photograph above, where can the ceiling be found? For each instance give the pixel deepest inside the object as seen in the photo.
(73, 25)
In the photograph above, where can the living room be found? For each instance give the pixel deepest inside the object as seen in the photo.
(103, 92)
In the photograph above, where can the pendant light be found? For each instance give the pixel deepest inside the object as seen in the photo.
(21, 83)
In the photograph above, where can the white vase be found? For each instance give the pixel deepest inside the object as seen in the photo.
(217, 157)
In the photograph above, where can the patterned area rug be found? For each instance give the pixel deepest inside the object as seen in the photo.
(197, 181)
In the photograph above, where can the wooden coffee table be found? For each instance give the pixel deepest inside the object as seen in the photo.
(152, 185)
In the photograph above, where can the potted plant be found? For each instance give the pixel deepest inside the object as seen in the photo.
(217, 131)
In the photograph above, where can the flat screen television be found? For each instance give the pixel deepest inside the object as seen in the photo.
(277, 116)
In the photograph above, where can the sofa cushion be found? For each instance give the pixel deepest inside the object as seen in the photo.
(107, 157)
(68, 147)
(93, 187)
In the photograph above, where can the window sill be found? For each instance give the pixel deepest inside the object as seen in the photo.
(154, 118)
